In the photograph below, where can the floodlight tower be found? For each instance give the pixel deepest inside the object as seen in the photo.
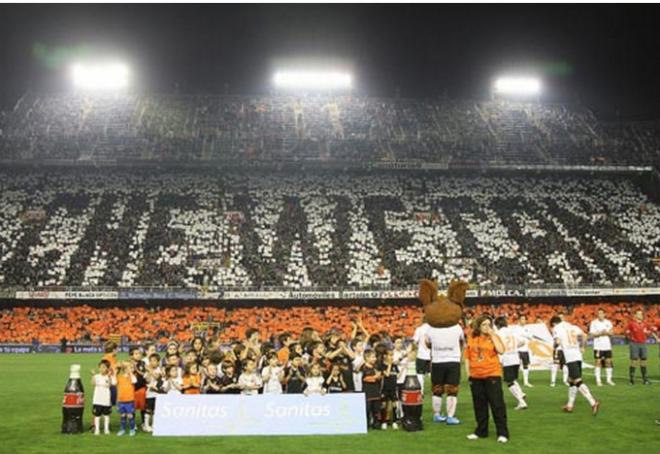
(517, 87)
(100, 77)
(297, 80)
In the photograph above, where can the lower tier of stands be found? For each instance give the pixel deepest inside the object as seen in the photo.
(86, 323)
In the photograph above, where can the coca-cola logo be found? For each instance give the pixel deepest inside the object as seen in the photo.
(73, 400)
(411, 397)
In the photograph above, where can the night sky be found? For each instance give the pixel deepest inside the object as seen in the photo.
(605, 56)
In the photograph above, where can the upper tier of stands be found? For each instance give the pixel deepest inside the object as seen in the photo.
(199, 129)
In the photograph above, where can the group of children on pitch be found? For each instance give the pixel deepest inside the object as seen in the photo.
(374, 364)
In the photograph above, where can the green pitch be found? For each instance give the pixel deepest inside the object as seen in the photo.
(32, 385)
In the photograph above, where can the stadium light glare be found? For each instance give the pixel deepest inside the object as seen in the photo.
(313, 80)
(101, 76)
(518, 86)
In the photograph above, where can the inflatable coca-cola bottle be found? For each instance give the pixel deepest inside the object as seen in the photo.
(412, 401)
(73, 403)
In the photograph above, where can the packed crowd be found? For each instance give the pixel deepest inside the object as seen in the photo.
(237, 231)
(346, 128)
(89, 324)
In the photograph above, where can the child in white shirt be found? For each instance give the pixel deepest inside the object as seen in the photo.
(314, 382)
(101, 401)
(272, 375)
(173, 382)
(249, 381)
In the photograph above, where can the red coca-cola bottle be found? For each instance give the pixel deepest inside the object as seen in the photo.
(73, 403)
(412, 401)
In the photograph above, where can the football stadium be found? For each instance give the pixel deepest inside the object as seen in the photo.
(312, 228)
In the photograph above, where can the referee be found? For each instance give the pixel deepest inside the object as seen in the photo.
(637, 332)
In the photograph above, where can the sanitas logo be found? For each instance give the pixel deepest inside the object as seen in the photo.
(282, 411)
(197, 411)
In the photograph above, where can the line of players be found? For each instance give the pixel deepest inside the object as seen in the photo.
(439, 352)
(600, 331)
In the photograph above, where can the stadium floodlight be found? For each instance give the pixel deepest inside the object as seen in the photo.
(313, 80)
(100, 76)
(518, 86)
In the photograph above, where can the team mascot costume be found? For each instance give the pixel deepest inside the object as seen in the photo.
(443, 312)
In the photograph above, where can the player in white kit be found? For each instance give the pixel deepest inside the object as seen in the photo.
(423, 361)
(558, 360)
(523, 351)
(510, 359)
(445, 345)
(572, 341)
(601, 330)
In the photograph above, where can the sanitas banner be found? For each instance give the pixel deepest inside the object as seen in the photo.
(263, 414)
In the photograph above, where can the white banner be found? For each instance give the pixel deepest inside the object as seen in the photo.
(540, 346)
(588, 292)
(636, 291)
(363, 294)
(59, 295)
(263, 414)
(39, 295)
(91, 295)
(394, 294)
(512, 292)
(210, 295)
(256, 295)
(545, 292)
(311, 295)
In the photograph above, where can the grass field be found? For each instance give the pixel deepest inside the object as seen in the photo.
(32, 387)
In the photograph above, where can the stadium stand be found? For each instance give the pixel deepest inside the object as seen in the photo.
(203, 128)
(111, 228)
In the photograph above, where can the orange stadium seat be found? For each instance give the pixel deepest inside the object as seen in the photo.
(87, 323)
